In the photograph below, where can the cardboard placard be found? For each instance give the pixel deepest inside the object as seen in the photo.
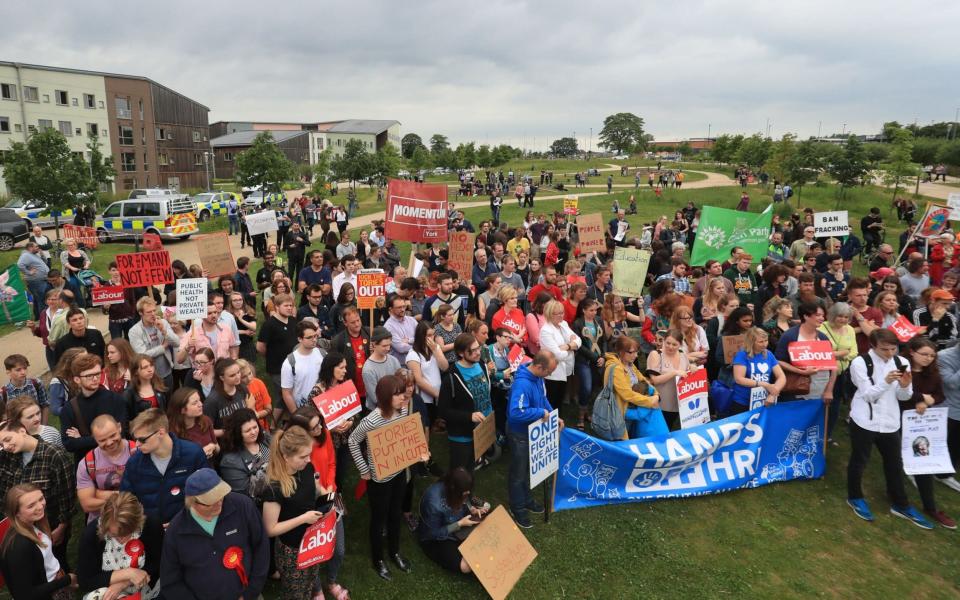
(812, 355)
(215, 254)
(904, 329)
(82, 235)
(484, 435)
(338, 404)
(151, 241)
(498, 553)
(953, 203)
(692, 399)
(460, 254)
(570, 204)
(731, 345)
(191, 299)
(630, 271)
(544, 440)
(590, 229)
(924, 442)
(105, 295)
(144, 268)
(262, 222)
(828, 224)
(397, 445)
(318, 541)
(371, 284)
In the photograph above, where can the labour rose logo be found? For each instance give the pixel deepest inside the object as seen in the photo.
(712, 236)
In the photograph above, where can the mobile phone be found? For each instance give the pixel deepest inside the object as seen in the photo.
(902, 368)
(475, 518)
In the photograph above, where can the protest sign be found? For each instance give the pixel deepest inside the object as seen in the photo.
(484, 435)
(82, 235)
(934, 222)
(817, 354)
(731, 345)
(460, 254)
(751, 449)
(13, 297)
(498, 553)
(397, 445)
(318, 541)
(953, 203)
(151, 241)
(544, 439)
(827, 224)
(370, 286)
(191, 299)
(144, 268)
(4, 526)
(262, 222)
(692, 399)
(215, 254)
(338, 404)
(517, 357)
(416, 212)
(590, 229)
(904, 329)
(105, 295)
(630, 271)
(570, 204)
(924, 442)
(721, 229)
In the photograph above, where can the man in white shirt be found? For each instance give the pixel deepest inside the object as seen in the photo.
(301, 368)
(883, 380)
(349, 275)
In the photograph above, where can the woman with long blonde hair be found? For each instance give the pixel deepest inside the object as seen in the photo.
(695, 346)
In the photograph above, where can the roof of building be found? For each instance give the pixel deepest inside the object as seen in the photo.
(245, 138)
(369, 126)
(100, 73)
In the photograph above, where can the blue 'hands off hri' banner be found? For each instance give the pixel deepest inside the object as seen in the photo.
(766, 445)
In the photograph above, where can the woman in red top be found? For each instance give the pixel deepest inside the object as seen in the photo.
(146, 389)
(323, 457)
(576, 292)
(116, 372)
(553, 251)
(509, 316)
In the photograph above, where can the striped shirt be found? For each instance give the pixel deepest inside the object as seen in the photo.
(372, 421)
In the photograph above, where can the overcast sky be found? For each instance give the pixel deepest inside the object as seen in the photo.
(524, 73)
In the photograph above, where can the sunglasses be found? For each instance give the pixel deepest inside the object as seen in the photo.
(143, 440)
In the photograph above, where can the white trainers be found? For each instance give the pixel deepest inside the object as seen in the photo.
(951, 483)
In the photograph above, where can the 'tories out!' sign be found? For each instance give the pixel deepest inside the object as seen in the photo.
(416, 212)
(370, 286)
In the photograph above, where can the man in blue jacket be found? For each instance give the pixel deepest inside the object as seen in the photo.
(528, 403)
(157, 473)
(217, 547)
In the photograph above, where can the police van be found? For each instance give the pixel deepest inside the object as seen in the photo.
(36, 213)
(213, 204)
(171, 216)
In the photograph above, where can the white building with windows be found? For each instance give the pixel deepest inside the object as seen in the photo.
(31, 99)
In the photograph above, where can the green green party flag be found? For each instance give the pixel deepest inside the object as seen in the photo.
(721, 229)
(14, 307)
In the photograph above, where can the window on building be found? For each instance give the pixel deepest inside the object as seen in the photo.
(143, 136)
(140, 103)
(8, 91)
(162, 159)
(126, 135)
(44, 124)
(89, 101)
(128, 161)
(161, 133)
(4, 124)
(74, 102)
(196, 136)
(123, 107)
(78, 132)
(197, 158)
(31, 94)
(46, 98)
(228, 156)
(66, 128)
(129, 183)
(93, 129)
(32, 128)
(18, 127)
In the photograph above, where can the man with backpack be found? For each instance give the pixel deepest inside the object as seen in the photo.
(300, 368)
(882, 380)
(101, 470)
(528, 403)
(233, 215)
(20, 384)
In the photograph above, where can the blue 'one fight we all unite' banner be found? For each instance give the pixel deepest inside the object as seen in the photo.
(766, 445)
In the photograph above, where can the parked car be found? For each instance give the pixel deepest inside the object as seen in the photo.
(12, 228)
(211, 204)
(34, 212)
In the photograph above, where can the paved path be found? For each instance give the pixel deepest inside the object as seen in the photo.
(936, 190)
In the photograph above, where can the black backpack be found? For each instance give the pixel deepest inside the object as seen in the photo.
(851, 389)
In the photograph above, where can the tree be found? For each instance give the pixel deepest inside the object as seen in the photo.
(354, 164)
(889, 128)
(445, 158)
(484, 157)
(438, 143)
(850, 166)
(622, 132)
(409, 143)
(684, 148)
(754, 151)
(949, 153)
(386, 162)
(467, 155)
(263, 164)
(321, 174)
(900, 167)
(100, 167)
(420, 160)
(564, 147)
(782, 154)
(44, 169)
(501, 155)
(804, 166)
(925, 150)
(877, 153)
(726, 148)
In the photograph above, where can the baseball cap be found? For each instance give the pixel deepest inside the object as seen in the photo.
(882, 272)
(379, 334)
(941, 295)
(206, 486)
